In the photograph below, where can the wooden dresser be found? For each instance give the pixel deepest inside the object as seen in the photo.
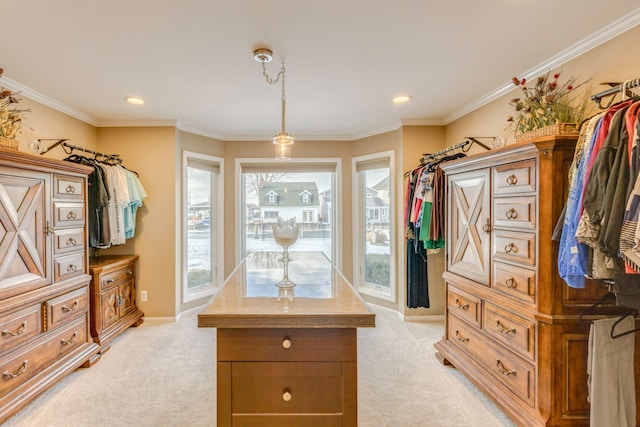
(284, 361)
(113, 297)
(512, 323)
(44, 285)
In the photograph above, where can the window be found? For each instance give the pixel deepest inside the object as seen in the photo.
(203, 251)
(271, 215)
(307, 216)
(373, 230)
(306, 190)
(272, 198)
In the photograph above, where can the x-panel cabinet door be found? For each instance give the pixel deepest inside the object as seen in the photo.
(468, 251)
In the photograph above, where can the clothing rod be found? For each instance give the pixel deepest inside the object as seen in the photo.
(446, 150)
(86, 150)
(626, 85)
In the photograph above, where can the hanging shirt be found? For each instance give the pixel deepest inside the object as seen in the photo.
(571, 266)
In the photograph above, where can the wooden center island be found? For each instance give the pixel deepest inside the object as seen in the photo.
(286, 359)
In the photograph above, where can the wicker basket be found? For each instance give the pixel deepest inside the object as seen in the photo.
(559, 129)
(8, 143)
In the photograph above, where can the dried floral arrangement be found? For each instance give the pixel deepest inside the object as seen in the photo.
(11, 117)
(546, 103)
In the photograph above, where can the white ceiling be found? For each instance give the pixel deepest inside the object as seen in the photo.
(192, 60)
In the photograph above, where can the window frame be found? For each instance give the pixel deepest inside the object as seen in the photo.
(359, 212)
(332, 164)
(217, 228)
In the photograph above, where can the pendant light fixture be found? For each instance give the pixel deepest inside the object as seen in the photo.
(283, 141)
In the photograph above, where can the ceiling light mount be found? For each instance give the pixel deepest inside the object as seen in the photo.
(263, 55)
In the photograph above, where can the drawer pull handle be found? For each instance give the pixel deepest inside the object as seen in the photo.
(503, 370)
(286, 396)
(511, 248)
(286, 343)
(512, 214)
(19, 372)
(109, 281)
(70, 189)
(461, 306)
(487, 226)
(460, 338)
(72, 268)
(71, 241)
(73, 307)
(512, 180)
(71, 215)
(21, 330)
(503, 329)
(71, 341)
(511, 283)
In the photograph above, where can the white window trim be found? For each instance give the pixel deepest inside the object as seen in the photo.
(218, 276)
(359, 210)
(335, 207)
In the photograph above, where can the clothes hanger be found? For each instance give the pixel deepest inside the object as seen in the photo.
(633, 313)
(602, 300)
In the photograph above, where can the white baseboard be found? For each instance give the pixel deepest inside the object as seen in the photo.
(424, 318)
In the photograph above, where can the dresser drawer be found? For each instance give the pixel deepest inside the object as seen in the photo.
(61, 309)
(117, 277)
(67, 214)
(514, 247)
(517, 282)
(23, 366)
(67, 266)
(293, 344)
(515, 178)
(17, 328)
(516, 332)
(513, 372)
(464, 305)
(68, 240)
(68, 187)
(515, 212)
(286, 387)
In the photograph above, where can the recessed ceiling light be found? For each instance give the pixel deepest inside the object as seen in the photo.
(401, 99)
(134, 100)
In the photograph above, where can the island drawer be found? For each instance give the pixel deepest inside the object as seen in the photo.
(286, 387)
(263, 345)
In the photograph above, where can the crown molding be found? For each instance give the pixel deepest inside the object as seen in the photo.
(195, 131)
(422, 122)
(137, 123)
(47, 101)
(605, 34)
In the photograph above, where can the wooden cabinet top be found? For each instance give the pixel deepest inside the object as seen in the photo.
(97, 264)
(538, 147)
(32, 162)
(323, 298)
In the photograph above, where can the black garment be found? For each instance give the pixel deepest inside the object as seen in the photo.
(417, 279)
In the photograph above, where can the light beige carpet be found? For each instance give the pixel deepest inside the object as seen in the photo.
(164, 375)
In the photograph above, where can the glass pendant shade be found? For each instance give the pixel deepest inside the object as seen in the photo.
(283, 143)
